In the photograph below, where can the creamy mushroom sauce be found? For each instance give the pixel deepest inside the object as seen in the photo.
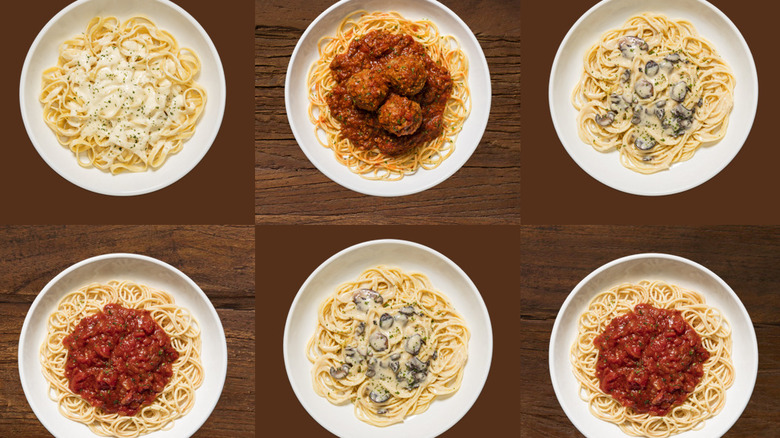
(390, 346)
(652, 92)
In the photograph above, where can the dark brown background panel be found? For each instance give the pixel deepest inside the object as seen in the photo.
(289, 189)
(555, 259)
(218, 259)
(217, 190)
(286, 256)
(556, 190)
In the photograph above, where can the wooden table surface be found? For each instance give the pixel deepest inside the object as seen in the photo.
(219, 259)
(555, 259)
(290, 190)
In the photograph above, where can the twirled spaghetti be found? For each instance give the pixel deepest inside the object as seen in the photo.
(655, 90)
(371, 162)
(178, 396)
(122, 96)
(709, 396)
(389, 343)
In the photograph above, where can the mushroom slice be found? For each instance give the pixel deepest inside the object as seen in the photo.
(413, 344)
(625, 76)
(339, 373)
(379, 395)
(681, 112)
(678, 91)
(636, 118)
(651, 68)
(378, 341)
(660, 112)
(407, 310)
(371, 369)
(617, 103)
(643, 88)
(361, 328)
(352, 356)
(606, 119)
(366, 298)
(629, 45)
(645, 143)
(417, 365)
(402, 319)
(394, 365)
(385, 321)
(672, 57)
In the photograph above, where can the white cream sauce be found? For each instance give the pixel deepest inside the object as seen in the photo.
(127, 102)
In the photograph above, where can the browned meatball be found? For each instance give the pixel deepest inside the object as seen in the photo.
(399, 115)
(368, 89)
(406, 74)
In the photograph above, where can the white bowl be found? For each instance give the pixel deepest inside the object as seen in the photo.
(143, 270)
(347, 265)
(296, 96)
(43, 53)
(674, 270)
(710, 23)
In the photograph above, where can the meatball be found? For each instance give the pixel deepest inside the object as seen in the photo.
(406, 74)
(399, 115)
(368, 89)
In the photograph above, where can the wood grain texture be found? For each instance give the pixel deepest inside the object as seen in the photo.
(555, 259)
(219, 259)
(290, 190)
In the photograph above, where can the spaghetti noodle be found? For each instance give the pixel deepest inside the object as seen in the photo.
(654, 90)
(370, 162)
(122, 96)
(389, 343)
(708, 397)
(178, 396)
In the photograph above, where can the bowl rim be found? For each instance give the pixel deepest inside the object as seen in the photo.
(366, 189)
(221, 373)
(630, 258)
(482, 309)
(740, 142)
(208, 142)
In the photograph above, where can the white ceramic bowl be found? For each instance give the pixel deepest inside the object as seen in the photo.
(43, 53)
(710, 23)
(674, 270)
(143, 270)
(297, 99)
(347, 265)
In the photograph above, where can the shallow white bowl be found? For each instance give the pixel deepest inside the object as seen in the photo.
(674, 270)
(140, 269)
(347, 265)
(43, 53)
(296, 96)
(710, 23)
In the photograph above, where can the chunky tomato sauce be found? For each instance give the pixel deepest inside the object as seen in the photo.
(373, 51)
(650, 359)
(119, 359)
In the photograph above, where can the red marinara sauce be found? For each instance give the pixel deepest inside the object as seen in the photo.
(119, 359)
(373, 51)
(650, 359)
